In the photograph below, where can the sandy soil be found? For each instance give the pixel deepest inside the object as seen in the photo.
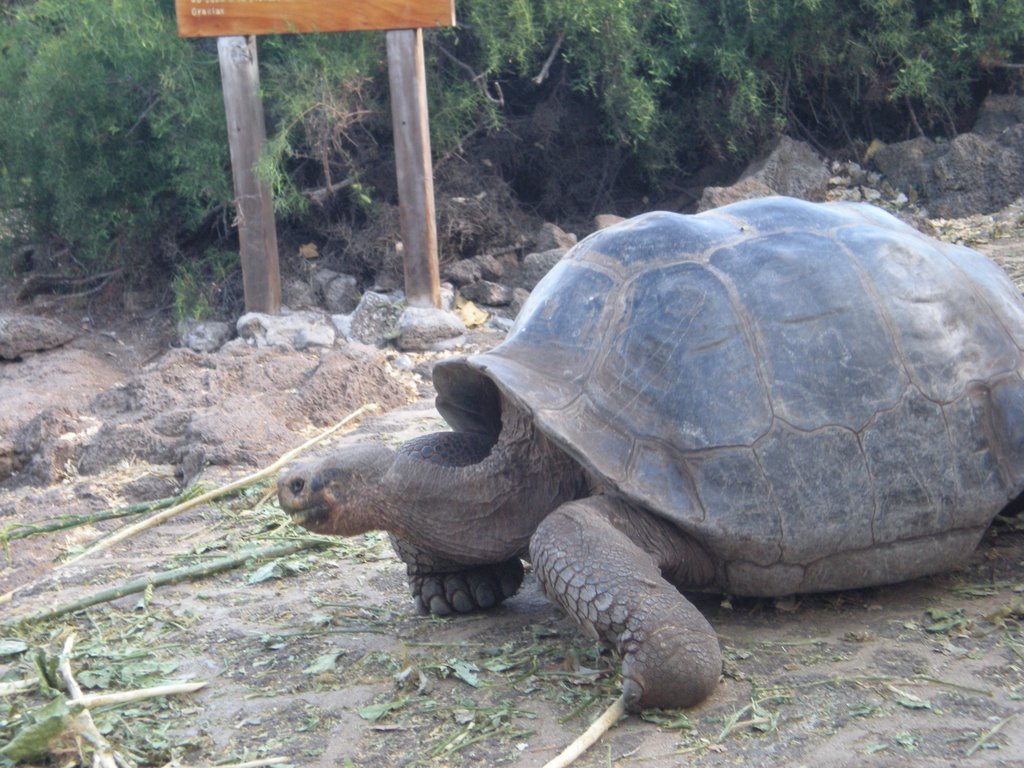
(320, 658)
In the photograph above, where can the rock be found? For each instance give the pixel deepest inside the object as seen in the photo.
(114, 443)
(447, 297)
(519, 297)
(375, 319)
(973, 173)
(552, 236)
(535, 266)
(7, 459)
(338, 292)
(463, 272)
(321, 278)
(343, 326)
(204, 336)
(997, 113)
(791, 168)
(23, 334)
(488, 293)
(744, 189)
(425, 328)
(299, 330)
(403, 363)
(298, 294)
(483, 267)
(605, 220)
(498, 323)
(45, 446)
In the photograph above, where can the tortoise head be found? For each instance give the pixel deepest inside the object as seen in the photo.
(339, 493)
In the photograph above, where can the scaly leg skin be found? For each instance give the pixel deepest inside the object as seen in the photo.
(603, 563)
(442, 587)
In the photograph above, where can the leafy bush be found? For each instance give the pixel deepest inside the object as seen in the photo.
(113, 130)
(685, 78)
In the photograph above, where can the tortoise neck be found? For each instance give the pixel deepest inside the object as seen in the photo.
(486, 511)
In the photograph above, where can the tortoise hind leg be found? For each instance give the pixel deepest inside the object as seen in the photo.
(442, 587)
(603, 563)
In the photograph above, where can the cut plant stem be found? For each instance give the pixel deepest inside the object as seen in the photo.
(103, 755)
(167, 577)
(139, 694)
(17, 531)
(589, 737)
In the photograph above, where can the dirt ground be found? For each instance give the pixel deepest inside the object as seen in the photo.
(319, 658)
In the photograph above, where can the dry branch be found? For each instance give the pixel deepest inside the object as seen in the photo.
(103, 752)
(138, 694)
(546, 69)
(224, 490)
(322, 195)
(16, 686)
(64, 284)
(590, 736)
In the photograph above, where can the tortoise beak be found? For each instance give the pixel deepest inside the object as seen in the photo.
(298, 491)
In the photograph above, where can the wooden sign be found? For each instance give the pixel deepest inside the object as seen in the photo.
(215, 18)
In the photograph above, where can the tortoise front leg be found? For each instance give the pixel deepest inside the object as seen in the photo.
(442, 587)
(603, 563)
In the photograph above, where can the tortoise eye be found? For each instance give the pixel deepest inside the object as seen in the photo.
(296, 486)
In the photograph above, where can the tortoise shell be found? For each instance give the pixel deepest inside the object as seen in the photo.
(822, 396)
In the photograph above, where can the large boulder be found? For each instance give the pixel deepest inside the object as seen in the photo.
(374, 320)
(977, 172)
(338, 292)
(25, 334)
(791, 168)
(426, 328)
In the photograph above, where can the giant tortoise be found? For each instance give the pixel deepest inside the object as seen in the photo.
(770, 398)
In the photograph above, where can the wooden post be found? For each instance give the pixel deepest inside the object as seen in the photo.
(415, 171)
(254, 207)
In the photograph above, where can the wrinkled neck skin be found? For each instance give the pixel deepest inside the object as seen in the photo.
(483, 512)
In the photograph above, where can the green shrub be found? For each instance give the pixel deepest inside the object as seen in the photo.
(685, 79)
(113, 132)
(113, 129)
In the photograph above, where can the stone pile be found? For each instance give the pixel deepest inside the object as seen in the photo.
(328, 309)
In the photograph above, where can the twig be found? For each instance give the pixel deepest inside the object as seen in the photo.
(164, 578)
(63, 284)
(590, 736)
(993, 63)
(320, 196)
(149, 108)
(989, 734)
(913, 116)
(16, 686)
(138, 694)
(546, 69)
(103, 752)
(480, 78)
(224, 490)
